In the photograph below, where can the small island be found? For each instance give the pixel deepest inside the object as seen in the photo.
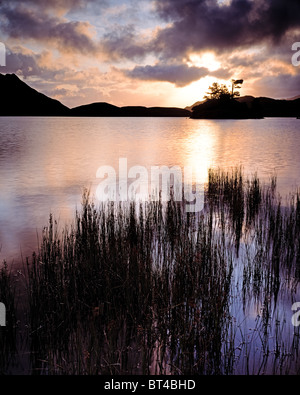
(221, 104)
(225, 109)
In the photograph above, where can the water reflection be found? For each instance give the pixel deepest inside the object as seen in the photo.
(199, 149)
(45, 163)
(233, 286)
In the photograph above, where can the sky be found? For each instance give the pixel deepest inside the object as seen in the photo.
(151, 52)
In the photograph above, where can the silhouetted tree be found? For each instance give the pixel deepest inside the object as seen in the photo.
(220, 91)
(217, 91)
(235, 84)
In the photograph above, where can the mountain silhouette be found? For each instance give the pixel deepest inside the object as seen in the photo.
(103, 109)
(20, 99)
(95, 109)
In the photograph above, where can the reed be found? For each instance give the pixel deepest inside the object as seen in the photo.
(147, 288)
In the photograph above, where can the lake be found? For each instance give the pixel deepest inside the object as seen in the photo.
(243, 296)
(46, 162)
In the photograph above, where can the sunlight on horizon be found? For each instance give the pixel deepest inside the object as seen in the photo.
(195, 91)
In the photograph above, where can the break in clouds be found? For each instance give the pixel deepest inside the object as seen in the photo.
(155, 40)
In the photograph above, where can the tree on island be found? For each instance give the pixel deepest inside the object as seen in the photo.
(220, 103)
(235, 84)
(221, 92)
(217, 91)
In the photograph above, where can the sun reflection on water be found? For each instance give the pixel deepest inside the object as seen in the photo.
(199, 148)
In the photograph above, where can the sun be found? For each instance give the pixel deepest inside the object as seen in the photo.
(206, 59)
(186, 96)
(194, 92)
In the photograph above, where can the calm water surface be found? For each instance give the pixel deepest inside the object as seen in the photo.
(45, 163)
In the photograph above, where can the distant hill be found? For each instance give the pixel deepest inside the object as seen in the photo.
(277, 108)
(20, 99)
(294, 98)
(95, 109)
(108, 110)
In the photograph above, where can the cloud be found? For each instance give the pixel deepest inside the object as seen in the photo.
(124, 42)
(125, 45)
(20, 22)
(198, 24)
(179, 74)
(27, 63)
(57, 5)
(20, 63)
(280, 87)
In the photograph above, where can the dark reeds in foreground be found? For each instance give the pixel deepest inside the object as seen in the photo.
(151, 289)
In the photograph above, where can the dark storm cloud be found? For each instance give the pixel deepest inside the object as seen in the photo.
(180, 75)
(123, 42)
(197, 25)
(21, 22)
(192, 26)
(200, 24)
(178, 29)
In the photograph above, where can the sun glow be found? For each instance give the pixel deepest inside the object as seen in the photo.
(191, 93)
(206, 59)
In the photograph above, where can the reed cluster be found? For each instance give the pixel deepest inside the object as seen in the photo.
(148, 288)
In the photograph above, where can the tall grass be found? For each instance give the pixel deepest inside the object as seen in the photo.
(148, 288)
